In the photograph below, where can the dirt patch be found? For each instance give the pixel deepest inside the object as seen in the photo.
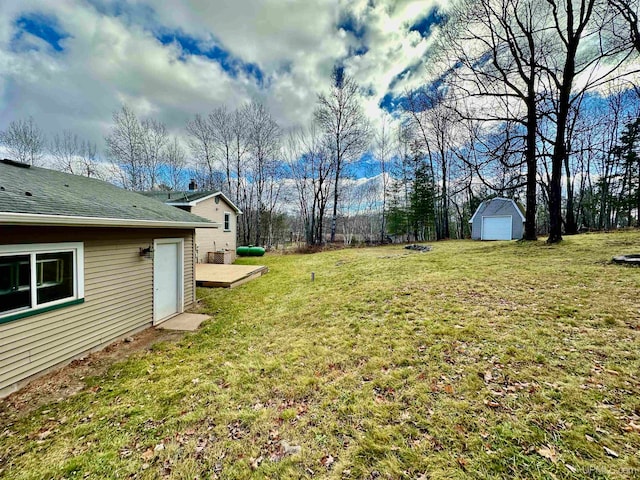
(70, 379)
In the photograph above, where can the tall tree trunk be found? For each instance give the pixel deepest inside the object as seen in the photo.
(445, 201)
(560, 148)
(334, 216)
(638, 198)
(570, 226)
(530, 231)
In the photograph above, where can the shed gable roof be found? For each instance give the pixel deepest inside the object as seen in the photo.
(39, 195)
(483, 206)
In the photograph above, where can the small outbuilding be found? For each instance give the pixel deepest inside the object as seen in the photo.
(497, 219)
(214, 206)
(82, 264)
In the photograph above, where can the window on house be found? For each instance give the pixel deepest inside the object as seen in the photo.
(15, 283)
(227, 221)
(37, 276)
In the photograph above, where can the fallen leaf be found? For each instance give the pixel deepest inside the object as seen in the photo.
(492, 404)
(255, 462)
(571, 468)
(610, 452)
(488, 376)
(327, 461)
(632, 427)
(147, 455)
(548, 452)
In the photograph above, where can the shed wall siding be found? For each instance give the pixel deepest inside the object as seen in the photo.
(212, 239)
(498, 207)
(118, 299)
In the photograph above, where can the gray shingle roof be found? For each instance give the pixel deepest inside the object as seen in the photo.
(39, 191)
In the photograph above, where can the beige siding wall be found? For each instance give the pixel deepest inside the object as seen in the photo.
(118, 299)
(212, 239)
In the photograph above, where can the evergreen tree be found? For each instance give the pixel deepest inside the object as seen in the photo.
(397, 212)
(627, 153)
(422, 212)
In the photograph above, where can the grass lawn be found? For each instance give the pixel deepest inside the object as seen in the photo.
(475, 360)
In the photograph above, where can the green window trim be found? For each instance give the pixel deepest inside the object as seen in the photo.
(38, 311)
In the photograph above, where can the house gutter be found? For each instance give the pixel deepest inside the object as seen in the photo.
(31, 219)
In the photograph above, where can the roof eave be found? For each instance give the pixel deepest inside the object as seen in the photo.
(195, 202)
(74, 221)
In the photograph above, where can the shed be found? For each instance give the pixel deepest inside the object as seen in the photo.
(214, 206)
(82, 264)
(497, 219)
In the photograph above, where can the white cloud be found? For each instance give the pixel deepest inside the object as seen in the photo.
(112, 56)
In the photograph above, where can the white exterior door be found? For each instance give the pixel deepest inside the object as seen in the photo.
(168, 279)
(496, 228)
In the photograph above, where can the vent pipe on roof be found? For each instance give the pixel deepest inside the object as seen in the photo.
(193, 185)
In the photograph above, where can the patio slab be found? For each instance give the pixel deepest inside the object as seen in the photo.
(187, 322)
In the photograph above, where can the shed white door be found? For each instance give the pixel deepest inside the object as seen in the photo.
(496, 228)
(167, 279)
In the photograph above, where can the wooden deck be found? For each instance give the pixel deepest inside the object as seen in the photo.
(227, 276)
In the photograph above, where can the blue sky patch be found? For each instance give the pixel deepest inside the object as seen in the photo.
(350, 24)
(42, 26)
(424, 26)
(230, 64)
(392, 103)
(365, 167)
(132, 13)
(358, 51)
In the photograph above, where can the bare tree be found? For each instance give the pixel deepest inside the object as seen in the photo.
(628, 9)
(175, 162)
(384, 147)
(577, 26)
(154, 139)
(125, 149)
(24, 141)
(436, 125)
(243, 190)
(345, 126)
(222, 126)
(264, 143)
(496, 47)
(312, 170)
(73, 155)
(65, 149)
(202, 143)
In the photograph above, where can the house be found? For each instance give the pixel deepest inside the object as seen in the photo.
(497, 219)
(214, 206)
(84, 263)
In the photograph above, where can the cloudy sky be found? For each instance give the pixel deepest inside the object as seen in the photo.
(71, 63)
